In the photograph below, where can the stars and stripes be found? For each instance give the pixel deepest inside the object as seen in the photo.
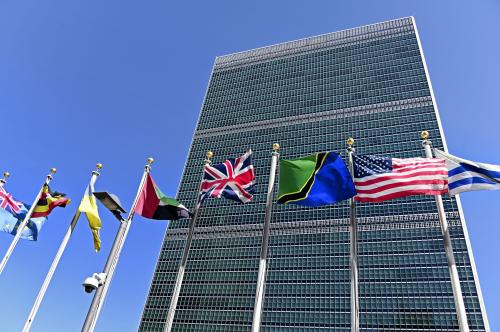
(382, 178)
(8, 202)
(233, 179)
(466, 175)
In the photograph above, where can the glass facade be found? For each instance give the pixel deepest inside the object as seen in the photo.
(310, 95)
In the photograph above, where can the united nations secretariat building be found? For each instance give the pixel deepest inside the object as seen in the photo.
(310, 95)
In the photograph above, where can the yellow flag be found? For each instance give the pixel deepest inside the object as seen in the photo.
(89, 207)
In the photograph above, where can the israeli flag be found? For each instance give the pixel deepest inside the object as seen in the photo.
(466, 175)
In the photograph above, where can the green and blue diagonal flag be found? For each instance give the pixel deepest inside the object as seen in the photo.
(12, 214)
(315, 180)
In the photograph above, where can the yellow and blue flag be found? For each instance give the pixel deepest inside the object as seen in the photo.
(89, 207)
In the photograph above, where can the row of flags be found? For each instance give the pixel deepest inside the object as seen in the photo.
(323, 178)
(153, 204)
(315, 180)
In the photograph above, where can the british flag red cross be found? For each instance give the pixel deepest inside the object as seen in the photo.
(233, 179)
(7, 201)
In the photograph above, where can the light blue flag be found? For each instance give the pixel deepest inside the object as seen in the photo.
(466, 175)
(12, 214)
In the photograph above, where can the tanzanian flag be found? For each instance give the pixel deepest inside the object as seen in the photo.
(48, 201)
(315, 180)
(154, 205)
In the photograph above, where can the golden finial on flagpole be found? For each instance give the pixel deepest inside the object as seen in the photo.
(98, 168)
(424, 135)
(53, 171)
(150, 162)
(276, 148)
(209, 155)
(5, 177)
(350, 143)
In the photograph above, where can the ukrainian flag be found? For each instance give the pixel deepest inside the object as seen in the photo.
(89, 207)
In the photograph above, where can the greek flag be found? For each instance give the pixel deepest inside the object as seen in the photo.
(466, 175)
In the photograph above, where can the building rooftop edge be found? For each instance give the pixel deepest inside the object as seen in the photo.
(336, 35)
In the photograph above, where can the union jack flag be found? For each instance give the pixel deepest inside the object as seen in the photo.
(233, 179)
(7, 202)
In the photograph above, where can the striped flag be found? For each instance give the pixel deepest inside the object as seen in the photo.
(48, 201)
(466, 175)
(382, 178)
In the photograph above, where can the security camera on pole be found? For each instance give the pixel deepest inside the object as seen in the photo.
(104, 279)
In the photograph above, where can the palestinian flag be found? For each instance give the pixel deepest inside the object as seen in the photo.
(319, 179)
(154, 205)
(48, 201)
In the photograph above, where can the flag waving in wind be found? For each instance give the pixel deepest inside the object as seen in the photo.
(88, 206)
(153, 204)
(233, 179)
(48, 201)
(466, 175)
(7, 202)
(381, 178)
(319, 179)
(13, 212)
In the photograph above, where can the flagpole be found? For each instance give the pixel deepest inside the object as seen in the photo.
(57, 258)
(4, 180)
(452, 266)
(354, 248)
(261, 277)
(112, 261)
(25, 221)
(185, 254)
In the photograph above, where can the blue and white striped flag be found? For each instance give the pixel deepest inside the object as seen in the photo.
(466, 175)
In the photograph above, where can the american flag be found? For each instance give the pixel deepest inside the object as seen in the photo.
(381, 178)
(233, 179)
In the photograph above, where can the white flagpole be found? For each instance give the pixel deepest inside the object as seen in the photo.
(182, 267)
(261, 278)
(57, 258)
(114, 255)
(452, 266)
(4, 180)
(354, 249)
(25, 222)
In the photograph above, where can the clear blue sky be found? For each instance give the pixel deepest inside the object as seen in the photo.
(117, 81)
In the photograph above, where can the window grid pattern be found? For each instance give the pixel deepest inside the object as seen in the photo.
(280, 94)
